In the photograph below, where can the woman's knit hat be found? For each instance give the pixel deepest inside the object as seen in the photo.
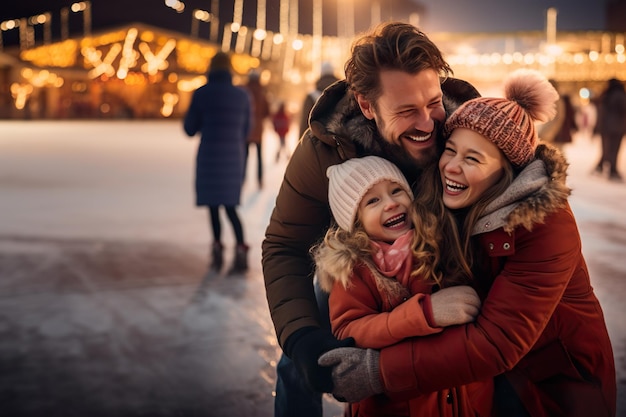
(350, 180)
(510, 122)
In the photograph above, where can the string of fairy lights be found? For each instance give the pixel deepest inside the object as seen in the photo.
(138, 56)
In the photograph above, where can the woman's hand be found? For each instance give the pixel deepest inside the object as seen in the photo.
(455, 305)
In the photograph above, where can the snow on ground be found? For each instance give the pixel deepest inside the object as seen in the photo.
(115, 180)
(132, 181)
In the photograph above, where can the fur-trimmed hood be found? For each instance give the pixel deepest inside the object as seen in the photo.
(341, 262)
(337, 264)
(539, 190)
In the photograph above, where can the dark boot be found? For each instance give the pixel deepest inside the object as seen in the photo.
(217, 256)
(240, 263)
(615, 177)
(598, 170)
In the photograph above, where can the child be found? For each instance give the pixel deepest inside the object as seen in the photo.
(281, 121)
(381, 291)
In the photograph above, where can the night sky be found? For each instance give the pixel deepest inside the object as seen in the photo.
(512, 15)
(439, 15)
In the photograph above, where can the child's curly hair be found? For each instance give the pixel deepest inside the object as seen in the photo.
(436, 245)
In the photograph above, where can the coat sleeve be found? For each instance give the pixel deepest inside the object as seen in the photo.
(193, 121)
(516, 311)
(247, 125)
(299, 219)
(356, 312)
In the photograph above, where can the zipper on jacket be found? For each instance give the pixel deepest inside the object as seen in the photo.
(340, 151)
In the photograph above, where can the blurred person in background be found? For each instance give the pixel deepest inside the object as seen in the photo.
(261, 111)
(281, 121)
(611, 125)
(327, 77)
(221, 112)
(559, 130)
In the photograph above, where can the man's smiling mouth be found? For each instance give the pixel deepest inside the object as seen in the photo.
(421, 138)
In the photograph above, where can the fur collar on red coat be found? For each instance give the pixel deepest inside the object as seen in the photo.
(539, 190)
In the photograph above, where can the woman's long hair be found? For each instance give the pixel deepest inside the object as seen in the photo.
(437, 245)
(476, 211)
(451, 230)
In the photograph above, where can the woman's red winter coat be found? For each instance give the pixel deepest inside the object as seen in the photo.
(541, 324)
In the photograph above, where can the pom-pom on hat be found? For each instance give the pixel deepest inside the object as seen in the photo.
(350, 180)
(510, 122)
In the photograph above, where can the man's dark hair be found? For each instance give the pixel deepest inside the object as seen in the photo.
(392, 46)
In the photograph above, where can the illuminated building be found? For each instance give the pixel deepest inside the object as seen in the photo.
(143, 71)
(134, 71)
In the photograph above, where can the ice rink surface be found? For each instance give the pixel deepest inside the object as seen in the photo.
(106, 306)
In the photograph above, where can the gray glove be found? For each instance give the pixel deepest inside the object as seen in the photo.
(355, 373)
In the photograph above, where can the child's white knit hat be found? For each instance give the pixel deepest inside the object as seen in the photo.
(350, 180)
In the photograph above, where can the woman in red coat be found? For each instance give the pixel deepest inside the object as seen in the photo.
(541, 329)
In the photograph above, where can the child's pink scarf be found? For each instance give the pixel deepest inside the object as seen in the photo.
(394, 260)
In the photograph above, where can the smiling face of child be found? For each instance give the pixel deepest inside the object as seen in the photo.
(384, 211)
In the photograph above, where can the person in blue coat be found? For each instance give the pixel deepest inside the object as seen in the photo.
(221, 112)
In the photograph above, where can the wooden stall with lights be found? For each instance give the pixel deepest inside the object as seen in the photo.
(135, 71)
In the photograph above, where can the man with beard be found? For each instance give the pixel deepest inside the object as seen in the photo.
(395, 98)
